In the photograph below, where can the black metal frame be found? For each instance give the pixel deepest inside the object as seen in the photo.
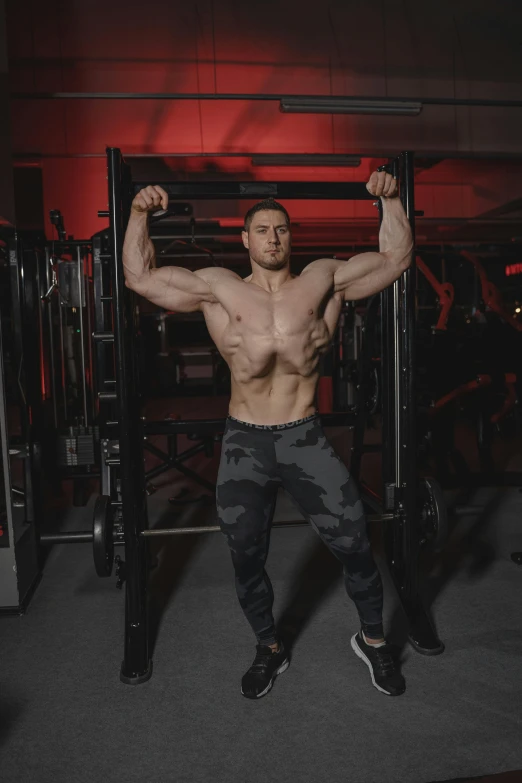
(25, 262)
(399, 429)
(74, 425)
(137, 665)
(103, 325)
(399, 436)
(347, 191)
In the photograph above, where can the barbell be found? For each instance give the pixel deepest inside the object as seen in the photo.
(107, 532)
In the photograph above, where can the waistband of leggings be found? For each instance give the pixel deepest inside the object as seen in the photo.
(272, 427)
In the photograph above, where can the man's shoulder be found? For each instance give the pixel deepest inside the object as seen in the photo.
(214, 273)
(322, 265)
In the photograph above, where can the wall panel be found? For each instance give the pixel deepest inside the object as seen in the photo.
(396, 47)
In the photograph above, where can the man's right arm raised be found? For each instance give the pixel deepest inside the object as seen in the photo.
(171, 287)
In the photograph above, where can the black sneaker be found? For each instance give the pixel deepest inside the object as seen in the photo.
(383, 669)
(267, 665)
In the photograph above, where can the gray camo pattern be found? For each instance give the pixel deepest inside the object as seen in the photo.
(255, 461)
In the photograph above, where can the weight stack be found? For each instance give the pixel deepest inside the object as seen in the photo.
(77, 447)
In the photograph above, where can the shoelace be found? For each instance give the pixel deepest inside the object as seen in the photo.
(384, 662)
(261, 662)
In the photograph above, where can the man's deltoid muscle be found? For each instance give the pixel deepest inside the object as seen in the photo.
(271, 328)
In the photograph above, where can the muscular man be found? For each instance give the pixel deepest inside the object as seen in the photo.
(271, 328)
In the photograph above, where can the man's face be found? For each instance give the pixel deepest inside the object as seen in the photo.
(268, 240)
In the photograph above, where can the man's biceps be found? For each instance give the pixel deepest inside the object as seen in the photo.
(345, 274)
(206, 276)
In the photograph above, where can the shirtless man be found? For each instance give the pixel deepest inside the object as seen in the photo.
(271, 328)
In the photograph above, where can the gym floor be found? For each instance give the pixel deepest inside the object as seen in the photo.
(66, 716)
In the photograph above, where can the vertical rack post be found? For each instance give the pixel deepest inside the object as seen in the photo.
(80, 271)
(407, 406)
(404, 539)
(136, 666)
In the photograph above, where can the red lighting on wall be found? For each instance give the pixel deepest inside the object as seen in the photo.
(513, 269)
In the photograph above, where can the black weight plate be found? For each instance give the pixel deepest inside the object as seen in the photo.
(373, 392)
(103, 542)
(434, 513)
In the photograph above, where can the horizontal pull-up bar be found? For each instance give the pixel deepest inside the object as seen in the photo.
(347, 191)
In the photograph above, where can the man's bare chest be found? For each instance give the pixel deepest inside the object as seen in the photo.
(298, 313)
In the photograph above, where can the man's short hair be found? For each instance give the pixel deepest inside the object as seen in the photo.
(268, 203)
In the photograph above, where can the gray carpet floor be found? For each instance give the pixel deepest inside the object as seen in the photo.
(65, 716)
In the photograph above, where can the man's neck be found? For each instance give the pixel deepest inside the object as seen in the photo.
(270, 281)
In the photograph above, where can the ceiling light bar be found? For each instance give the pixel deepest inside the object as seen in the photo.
(327, 105)
(351, 161)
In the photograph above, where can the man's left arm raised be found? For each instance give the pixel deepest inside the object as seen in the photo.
(369, 273)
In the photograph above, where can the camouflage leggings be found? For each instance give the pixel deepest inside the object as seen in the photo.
(255, 461)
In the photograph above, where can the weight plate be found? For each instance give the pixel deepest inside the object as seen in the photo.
(372, 397)
(103, 542)
(434, 514)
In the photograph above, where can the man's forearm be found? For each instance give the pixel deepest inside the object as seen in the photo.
(138, 250)
(172, 287)
(395, 238)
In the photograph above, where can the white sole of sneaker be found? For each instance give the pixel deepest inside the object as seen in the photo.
(357, 650)
(284, 666)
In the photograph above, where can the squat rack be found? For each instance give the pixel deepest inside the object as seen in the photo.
(399, 503)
